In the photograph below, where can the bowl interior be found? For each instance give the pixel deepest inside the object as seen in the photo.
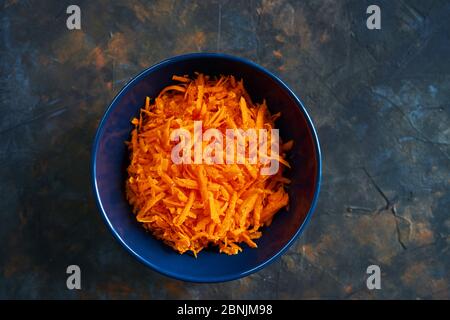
(110, 159)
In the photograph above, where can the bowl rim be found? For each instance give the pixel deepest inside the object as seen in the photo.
(134, 80)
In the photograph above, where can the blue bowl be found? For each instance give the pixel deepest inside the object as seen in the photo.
(110, 159)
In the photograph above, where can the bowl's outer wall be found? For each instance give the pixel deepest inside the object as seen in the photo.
(111, 158)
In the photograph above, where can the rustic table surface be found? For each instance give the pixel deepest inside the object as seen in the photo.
(379, 99)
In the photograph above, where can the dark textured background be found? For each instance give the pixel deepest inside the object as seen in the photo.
(380, 101)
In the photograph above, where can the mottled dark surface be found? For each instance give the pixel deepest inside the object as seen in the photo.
(380, 101)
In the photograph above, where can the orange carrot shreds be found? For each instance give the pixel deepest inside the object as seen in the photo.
(181, 79)
(193, 205)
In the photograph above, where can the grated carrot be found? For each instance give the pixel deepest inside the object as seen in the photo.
(192, 206)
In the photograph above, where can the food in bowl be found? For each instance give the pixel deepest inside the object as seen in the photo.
(194, 179)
